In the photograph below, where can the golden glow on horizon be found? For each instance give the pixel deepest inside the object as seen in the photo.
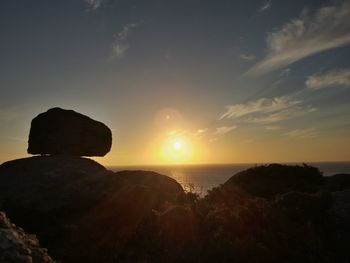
(172, 140)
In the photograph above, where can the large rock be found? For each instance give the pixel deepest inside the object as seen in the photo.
(60, 131)
(270, 180)
(18, 247)
(74, 204)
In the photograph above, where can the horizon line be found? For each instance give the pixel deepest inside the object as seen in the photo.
(208, 164)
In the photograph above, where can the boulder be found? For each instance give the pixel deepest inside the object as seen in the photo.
(18, 247)
(60, 131)
(269, 180)
(75, 204)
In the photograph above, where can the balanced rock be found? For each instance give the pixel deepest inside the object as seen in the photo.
(60, 131)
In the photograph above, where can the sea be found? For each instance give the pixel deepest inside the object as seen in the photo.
(201, 178)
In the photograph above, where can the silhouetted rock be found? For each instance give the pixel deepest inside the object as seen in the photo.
(60, 131)
(267, 181)
(75, 204)
(337, 182)
(18, 247)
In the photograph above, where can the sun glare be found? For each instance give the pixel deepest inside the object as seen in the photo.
(177, 146)
(177, 150)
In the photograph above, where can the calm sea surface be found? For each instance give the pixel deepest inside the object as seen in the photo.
(201, 178)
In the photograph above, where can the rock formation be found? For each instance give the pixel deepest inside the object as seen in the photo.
(75, 204)
(83, 212)
(60, 131)
(72, 202)
(18, 247)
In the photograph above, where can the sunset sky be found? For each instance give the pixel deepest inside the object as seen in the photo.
(217, 81)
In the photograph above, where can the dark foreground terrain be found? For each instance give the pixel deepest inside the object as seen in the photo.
(82, 212)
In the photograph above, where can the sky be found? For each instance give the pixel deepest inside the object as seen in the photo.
(185, 81)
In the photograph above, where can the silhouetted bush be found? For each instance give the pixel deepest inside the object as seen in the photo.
(337, 182)
(270, 180)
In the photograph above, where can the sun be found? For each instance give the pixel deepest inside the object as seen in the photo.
(177, 150)
(177, 145)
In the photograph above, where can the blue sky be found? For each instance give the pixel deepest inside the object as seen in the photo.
(243, 81)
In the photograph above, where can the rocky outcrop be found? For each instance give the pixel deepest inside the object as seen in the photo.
(75, 204)
(270, 180)
(337, 182)
(60, 131)
(18, 247)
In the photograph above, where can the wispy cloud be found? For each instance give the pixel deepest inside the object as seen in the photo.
(266, 6)
(121, 45)
(273, 127)
(93, 4)
(340, 77)
(302, 133)
(177, 132)
(280, 115)
(248, 57)
(263, 105)
(283, 77)
(266, 110)
(200, 132)
(225, 129)
(327, 28)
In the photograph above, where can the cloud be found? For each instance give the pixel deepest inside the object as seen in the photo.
(121, 45)
(327, 28)
(93, 4)
(340, 77)
(281, 115)
(302, 133)
(248, 57)
(263, 105)
(273, 127)
(266, 110)
(225, 129)
(266, 6)
(177, 132)
(283, 77)
(119, 50)
(200, 132)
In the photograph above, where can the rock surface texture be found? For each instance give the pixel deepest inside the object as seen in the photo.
(75, 204)
(60, 131)
(18, 247)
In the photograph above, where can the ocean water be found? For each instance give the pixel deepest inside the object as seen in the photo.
(201, 178)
